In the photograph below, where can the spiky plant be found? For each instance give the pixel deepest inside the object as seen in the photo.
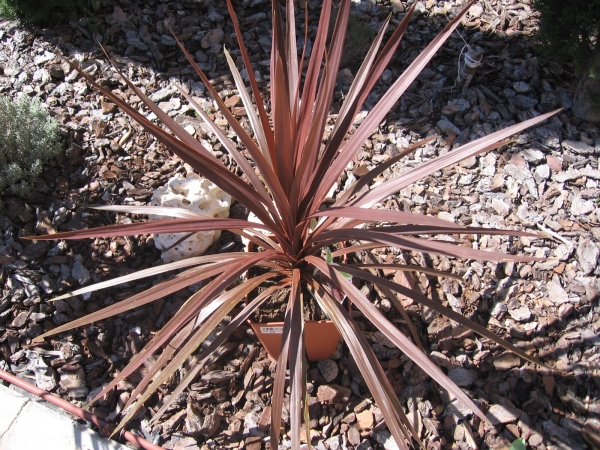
(295, 169)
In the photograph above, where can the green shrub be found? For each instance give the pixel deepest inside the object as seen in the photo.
(47, 12)
(569, 31)
(28, 139)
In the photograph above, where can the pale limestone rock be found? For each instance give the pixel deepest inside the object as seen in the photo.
(195, 194)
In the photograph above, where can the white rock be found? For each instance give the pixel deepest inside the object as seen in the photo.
(580, 207)
(162, 94)
(476, 10)
(520, 314)
(488, 165)
(466, 179)
(587, 255)
(500, 206)
(573, 174)
(556, 293)
(195, 194)
(533, 155)
(517, 172)
(541, 173)
(444, 215)
(562, 251)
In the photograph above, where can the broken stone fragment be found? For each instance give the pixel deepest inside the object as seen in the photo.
(587, 255)
(193, 422)
(462, 377)
(74, 383)
(329, 370)
(195, 194)
(333, 393)
(211, 424)
(499, 414)
(507, 361)
(45, 376)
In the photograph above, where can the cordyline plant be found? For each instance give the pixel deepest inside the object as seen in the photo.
(293, 170)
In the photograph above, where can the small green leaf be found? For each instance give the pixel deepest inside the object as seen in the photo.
(329, 259)
(346, 275)
(518, 444)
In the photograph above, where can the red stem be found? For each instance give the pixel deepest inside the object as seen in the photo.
(75, 410)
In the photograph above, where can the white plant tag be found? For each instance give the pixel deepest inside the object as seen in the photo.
(271, 330)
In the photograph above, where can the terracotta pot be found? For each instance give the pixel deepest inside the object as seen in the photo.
(320, 337)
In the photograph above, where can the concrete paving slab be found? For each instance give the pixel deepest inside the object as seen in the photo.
(31, 425)
(12, 404)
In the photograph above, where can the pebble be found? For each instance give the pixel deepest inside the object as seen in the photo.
(587, 255)
(501, 207)
(56, 71)
(500, 414)
(541, 173)
(507, 361)
(333, 443)
(353, 436)
(34, 251)
(79, 272)
(556, 293)
(564, 98)
(581, 207)
(565, 310)
(20, 319)
(345, 77)
(162, 94)
(468, 163)
(333, 393)
(476, 10)
(74, 382)
(521, 314)
(554, 163)
(448, 127)
(329, 370)
(521, 87)
(498, 310)
(364, 420)
(462, 377)
(385, 439)
(212, 38)
(524, 103)
(533, 155)
(578, 147)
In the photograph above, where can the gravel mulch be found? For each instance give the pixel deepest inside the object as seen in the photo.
(546, 181)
